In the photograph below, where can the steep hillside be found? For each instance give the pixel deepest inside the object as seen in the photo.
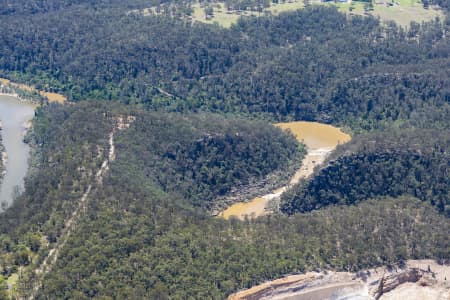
(197, 157)
(125, 232)
(313, 64)
(166, 153)
(202, 157)
(142, 247)
(413, 162)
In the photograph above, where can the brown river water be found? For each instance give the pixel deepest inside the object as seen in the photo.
(320, 140)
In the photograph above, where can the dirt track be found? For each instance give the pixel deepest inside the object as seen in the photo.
(82, 207)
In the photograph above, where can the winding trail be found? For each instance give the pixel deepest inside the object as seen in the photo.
(70, 224)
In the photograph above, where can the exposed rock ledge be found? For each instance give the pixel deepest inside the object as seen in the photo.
(419, 279)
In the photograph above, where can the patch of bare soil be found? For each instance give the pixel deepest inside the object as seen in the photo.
(419, 279)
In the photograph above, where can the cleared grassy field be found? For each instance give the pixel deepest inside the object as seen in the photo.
(282, 7)
(52, 97)
(403, 12)
(221, 16)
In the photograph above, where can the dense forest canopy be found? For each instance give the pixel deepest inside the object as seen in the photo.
(145, 229)
(312, 64)
(196, 157)
(24, 7)
(203, 157)
(65, 155)
(410, 162)
(139, 255)
(144, 239)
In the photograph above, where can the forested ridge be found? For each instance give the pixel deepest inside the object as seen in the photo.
(179, 154)
(413, 162)
(203, 258)
(194, 93)
(175, 158)
(202, 157)
(145, 239)
(299, 65)
(66, 153)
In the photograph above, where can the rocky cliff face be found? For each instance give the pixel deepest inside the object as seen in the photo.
(391, 281)
(277, 287)
(424, 280)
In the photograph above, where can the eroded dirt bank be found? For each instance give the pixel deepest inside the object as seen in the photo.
(9, 88)
(418, 279)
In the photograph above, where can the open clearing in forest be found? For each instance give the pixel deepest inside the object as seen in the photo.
(221, 16)
(52, 97)
(226, 18)
(403, 12)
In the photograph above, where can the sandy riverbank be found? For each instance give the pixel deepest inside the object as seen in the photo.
(12, 87)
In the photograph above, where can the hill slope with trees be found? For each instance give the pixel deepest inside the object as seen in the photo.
(145, 230)
(202, 156)
(142, 238)
(394, 163)
(313, 64)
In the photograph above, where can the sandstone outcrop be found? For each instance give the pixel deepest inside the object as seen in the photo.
(417, 279)
(391, 281)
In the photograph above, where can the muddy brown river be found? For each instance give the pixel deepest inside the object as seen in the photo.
(320, 139)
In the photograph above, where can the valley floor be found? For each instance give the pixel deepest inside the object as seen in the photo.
(320, 139)
(260, 205)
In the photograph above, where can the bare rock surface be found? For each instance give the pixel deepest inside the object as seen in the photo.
(418, 279)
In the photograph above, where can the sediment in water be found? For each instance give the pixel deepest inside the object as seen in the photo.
(320, 140)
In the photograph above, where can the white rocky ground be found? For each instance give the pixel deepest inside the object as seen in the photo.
(419, 279)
